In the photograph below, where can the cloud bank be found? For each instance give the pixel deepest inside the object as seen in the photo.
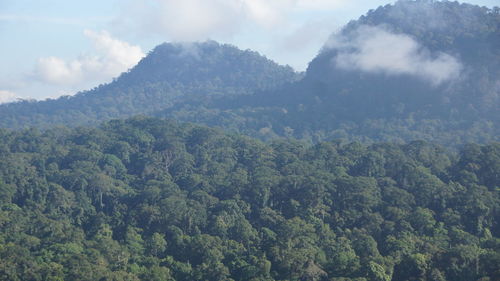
(187, 19)
(191, 20)
(7, 96)
(312, 33)
(376, 50)
(111, 58)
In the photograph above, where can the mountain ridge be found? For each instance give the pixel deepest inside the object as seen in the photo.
(413, 70)
(442, 91)
(170, 73)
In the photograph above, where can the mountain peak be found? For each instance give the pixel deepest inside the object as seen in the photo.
(170, 74)
(190, 62)
(431, 56)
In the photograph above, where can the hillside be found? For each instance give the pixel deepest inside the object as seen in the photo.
(168, 75)
(413, 70)
(443, 61)
(145, 199)
(425, 70)
(205, 162)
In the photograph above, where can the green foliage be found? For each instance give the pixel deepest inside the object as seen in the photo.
(146, 199)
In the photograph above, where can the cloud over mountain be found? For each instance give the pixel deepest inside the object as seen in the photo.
(7, 96)
(111, 57)
(190, 20)
(377, 50)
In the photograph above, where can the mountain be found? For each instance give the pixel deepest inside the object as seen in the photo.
(149, 198)
(433, 59)
(169, 74)
(413, 70)
(146, 199)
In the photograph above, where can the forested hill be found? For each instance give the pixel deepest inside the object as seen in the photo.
(413, 70)
(431, 59)
(169, 74)
(145, 199)
(420, 69)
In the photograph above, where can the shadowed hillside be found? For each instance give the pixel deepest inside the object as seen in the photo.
(413, 70)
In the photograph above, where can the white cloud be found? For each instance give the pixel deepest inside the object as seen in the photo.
(190, 20)
(312, 33)
(115, 56)
(184, 20)
(374, 49)
(7, 96)
(111, 57)
(57, 71)
(267, 13)
(321, 4)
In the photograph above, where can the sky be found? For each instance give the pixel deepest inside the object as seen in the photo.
(52, 48)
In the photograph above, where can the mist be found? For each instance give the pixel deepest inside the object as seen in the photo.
(375, 49)
(7, 96)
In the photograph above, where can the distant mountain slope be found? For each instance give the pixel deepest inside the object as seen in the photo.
(439, 59)
(170, 74)
(413, 70)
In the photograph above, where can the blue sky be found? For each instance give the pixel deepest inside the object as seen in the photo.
(53, 47)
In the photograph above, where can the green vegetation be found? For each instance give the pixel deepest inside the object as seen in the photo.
(146, 199)
(153, 199)
(241, 91)
(331, 103)
(170, 74)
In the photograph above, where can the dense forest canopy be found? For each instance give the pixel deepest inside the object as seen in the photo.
(381, 162)
(146, 199)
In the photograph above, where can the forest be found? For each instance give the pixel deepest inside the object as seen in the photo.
(151, 199)
(208, 162)
(244, 92)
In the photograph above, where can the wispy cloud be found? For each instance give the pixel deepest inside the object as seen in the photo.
(111, 57)
(312, 33)
(7, 96)
(375, 49)
(321, 4)
(190, 20)
(172, 20)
